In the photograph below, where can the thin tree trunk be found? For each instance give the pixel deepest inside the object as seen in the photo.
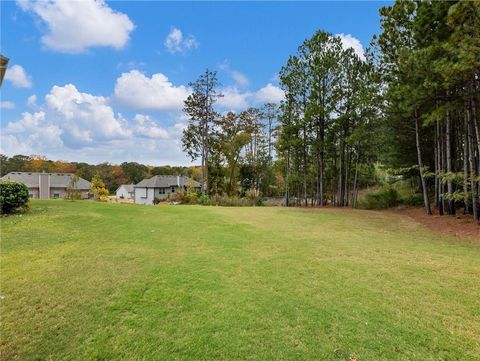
(451, 202)
(472, 173)
(287, 180)
(465, 161)
(420, 166)
(442, 168)
(355, 183)
(437, 166)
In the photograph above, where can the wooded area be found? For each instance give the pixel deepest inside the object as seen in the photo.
(408, 106)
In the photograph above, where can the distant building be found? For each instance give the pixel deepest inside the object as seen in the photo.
(48, 185)
(125, 191)
(162, 187)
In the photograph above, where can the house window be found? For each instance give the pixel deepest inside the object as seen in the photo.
(173, 189)
(56, 195)
(161, 191)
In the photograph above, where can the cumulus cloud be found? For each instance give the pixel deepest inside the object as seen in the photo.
(32, 101)
(269, 94)
(74, 26)
(69, 117)
(349, 41)
(79, 126)
(137, 91)
(175, 42)
(29, 133)
(19, 78)
(7, 105)
(147, 127)
(233, 99)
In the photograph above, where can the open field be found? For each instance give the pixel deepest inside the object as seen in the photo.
(83, 280)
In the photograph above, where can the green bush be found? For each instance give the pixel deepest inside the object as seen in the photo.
(204, 199)
(259, 202)
(191, 197)
(383, 197)
(13, 196)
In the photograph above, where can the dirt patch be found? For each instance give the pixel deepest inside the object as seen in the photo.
(461, 225)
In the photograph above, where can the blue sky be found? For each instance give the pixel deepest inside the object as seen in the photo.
(104, 81)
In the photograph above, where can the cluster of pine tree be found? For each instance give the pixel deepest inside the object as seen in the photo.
(411, 103)
(328, 120)
(429, 59)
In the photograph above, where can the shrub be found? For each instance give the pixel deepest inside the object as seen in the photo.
(156, 200)
(231, 201)
(13, 196)
(383, 197)
(191, 197)
(259, 202)
(204, 199)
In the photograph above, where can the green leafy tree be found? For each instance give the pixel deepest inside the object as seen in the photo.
(199, 106)
(72, 193)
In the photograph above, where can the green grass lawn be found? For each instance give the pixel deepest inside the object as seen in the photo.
(83, 281)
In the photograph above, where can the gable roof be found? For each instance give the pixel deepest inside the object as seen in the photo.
(57, 180)
(128, 187)
(164, 181)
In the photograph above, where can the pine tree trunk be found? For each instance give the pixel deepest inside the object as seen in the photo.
(472, 173)
(442, 168)
(451, 202)
(437, 166)
(287, 198)
(420, 166)
(355, 183)
(465, 161)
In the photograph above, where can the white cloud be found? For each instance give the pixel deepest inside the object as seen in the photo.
(79, 126)
(32, 101)
(85, 118)
(7, 105)
(239, 78)
(233, 99)
(30, 133)
(175, 42)
(349, 41)
(147, 127)
(269, 94)
(19, 78)
(74, 26)
(137, 91)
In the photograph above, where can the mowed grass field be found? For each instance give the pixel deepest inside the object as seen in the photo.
(90, 281)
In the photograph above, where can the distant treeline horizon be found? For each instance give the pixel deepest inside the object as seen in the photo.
(112, 174)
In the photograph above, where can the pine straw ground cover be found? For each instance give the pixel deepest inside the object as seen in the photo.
(96, 281)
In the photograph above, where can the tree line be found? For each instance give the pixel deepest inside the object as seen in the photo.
(110, 174)
(410, 104)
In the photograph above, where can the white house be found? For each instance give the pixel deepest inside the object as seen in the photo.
(125, 191)
(162, 187)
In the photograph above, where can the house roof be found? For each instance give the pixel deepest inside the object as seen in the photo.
(128, 187)
(57, 180)
(164, 181)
